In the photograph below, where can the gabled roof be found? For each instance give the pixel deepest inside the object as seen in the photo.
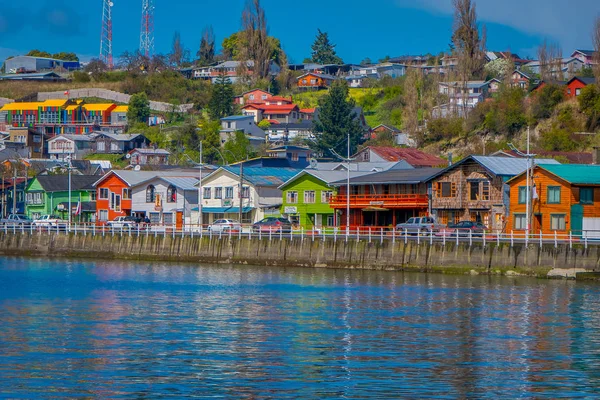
(120, 137)
(523, 74)
(575, 174)
(500, 166)
(325, 176)
(318, 75)
(273, 108)
(390, 128)
(121, 109)
(60, 183)
(237, 117)
(308, 110)
(74, 138)
(133, 178)
(151, 151)
(98, 107)
(587, 53)
(181, 183)
(260, 176)
(585, 80)
(406, 176)
(414, 157)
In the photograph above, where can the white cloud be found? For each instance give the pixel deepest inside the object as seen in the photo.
(570, 24)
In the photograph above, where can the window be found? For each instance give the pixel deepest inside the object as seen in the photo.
(251, 97)
(553, 195)
(577, 92)
(207, 192)
(474, 190)
(292, 197)
(103, 215)
(218, 193)
(309, 196)
(150, 194)
(171, 194)
(154, 218)
(246, 192)
(558, 222)
(294, 156)
(126, 194)
(115, 202)
(93, 195)
(168, 219)
(313, 81)
(103, 193)
(520, 221)
(447, 189)
(326, 196)
(330, 220)
(586, 195)
(485, 190)
(229, 192)
(522, 194)
(35, 198)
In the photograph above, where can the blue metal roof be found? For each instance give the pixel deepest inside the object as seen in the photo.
(263, 176)
(236, 117)
(509, 166)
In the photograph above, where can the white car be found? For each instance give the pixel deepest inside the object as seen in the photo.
(50, 221)
(123, 222)
(225, 225)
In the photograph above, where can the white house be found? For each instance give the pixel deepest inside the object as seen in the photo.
(260, 194)
(76, 146)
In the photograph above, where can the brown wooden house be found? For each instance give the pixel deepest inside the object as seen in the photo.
(475, 189)
(563, 198)
(314, 81)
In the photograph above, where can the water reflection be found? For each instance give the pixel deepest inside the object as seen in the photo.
(111, 329)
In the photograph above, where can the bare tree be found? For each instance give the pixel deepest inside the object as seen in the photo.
(469, 46)
(550, 61)
(413, 87)
(596, 41)
(178, 52)
(255, 35)
(206, 53)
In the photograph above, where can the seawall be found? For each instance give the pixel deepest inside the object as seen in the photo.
(535, 259)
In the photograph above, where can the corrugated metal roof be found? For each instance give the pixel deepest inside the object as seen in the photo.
(54, 103)
(133, 178)
(182, 183)
(98, 107)
(407, 176)
(121, 109)
(263, 176)
(414, 157)
(577, 174)
(21, 106)
(508, 166)
(60, 183)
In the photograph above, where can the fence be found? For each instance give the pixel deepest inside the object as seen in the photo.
(367, 234)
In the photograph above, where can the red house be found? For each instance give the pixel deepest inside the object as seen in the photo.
(259, 96)
(574, 86)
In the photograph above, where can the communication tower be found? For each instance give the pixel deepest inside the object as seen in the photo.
(147, 31)
(106, 35)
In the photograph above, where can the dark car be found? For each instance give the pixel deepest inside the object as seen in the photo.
(464, 227)
(272, 224)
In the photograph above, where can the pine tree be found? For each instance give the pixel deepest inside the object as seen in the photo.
(323, 51)
(221, 100)
(337, 119)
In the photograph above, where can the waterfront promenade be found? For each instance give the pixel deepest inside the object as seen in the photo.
(487, 254)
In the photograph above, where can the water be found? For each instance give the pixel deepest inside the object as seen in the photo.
(127, 330)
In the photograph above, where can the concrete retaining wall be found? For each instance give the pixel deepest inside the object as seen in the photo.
(450, 257)
(113, 96)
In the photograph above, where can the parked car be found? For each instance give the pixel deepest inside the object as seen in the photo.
(423, 225)
(124, 222)
(50, 221)
(464, 228)
(225, 225)
(16, 219)
(272, 224)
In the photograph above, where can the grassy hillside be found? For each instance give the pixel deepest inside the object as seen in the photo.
(18, 89)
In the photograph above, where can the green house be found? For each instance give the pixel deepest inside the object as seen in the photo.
(306, 198)
(49, 194)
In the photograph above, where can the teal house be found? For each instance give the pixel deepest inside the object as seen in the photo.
(49, 194)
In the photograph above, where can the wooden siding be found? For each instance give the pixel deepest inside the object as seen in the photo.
(319, 82)
(114, 184)
(306, 211)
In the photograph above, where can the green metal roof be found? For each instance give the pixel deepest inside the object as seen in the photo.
(576, 174)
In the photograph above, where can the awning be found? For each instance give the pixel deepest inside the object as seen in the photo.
(375, 209)
(223, 210)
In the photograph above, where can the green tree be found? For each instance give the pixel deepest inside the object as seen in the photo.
(323, 51)
(206, 53)
(221, 100)
(211, 140)
(546, 101)
(237, 148)
(230, 46)
(38, 53)
(336, 120)
(66, 56)
(139, 108)
(264, 124)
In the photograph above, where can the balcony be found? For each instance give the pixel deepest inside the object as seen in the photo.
(380, 200)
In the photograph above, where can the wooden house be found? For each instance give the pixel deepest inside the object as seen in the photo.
(313, 80)
(574, 86)
(564, 198)
(474, 190)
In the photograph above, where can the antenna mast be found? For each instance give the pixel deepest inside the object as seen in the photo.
(106, 36)
(147, 31)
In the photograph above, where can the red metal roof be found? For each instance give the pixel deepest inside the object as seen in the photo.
(274, 108)
(307, 110)
(414, 157)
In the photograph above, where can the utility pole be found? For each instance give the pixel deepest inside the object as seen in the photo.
(347, 160)
(200, 190)
(528, 156)
(69, 175)
(241, 190)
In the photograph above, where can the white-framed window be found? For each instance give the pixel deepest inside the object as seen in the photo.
(103, 193)
(246, 192)
(218, 193)
(206, 192)
(168, 219)
(295, 157)
(115, 202)
(326, 196)
(330, 220)
(35, 198)
(126, 194)
(103, 215)
(154, 218)
(520, 221)
(292, 196)
(93, 195)
(309, 196)
(229, 192)
(150, 194)
(558, 222)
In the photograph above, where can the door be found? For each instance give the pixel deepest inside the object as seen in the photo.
(576, 219)
(179, 220)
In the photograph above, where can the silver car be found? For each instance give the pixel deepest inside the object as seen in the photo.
(225, 225)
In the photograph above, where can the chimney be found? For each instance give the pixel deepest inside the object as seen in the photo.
(596, 155)
(449, 159)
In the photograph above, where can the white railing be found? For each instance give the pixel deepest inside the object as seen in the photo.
(368, 234)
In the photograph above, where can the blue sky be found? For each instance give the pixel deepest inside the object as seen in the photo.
(382, 27)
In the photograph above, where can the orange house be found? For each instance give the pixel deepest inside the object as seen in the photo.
(574, 86)
(313, 80)
(113, 197)
(564, 198)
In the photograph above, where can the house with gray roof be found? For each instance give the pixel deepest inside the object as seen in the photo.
(475, 189)
(244, 123)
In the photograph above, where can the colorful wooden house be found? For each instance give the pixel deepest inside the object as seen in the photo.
(564, 198)
(313, 80)
(574, 86)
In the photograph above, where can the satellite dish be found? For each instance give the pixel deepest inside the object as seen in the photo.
(111, 4)
(137, 168)
(313, 163)
(128, 156)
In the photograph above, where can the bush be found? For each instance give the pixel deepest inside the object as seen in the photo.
(81, 77)
(444, 128)
(557, 139)
(546, 100)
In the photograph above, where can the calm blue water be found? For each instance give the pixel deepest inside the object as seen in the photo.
(139, 330)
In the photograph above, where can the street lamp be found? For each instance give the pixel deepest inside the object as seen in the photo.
(528, 157)
(69, 167)
(347, 159)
